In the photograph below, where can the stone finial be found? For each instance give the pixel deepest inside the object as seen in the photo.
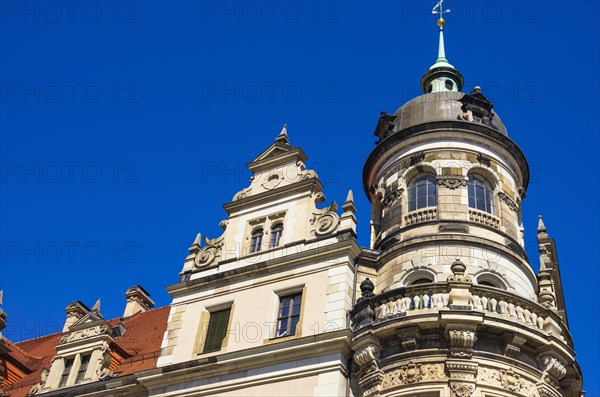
(1, 295)
(542, 231)
(96, 307)
(75, 310)
(138, 300)
(460, 295)
(458, 268)
(348, 220)
(196, 245)
(366, 288)
(349, 204)
(283, 136)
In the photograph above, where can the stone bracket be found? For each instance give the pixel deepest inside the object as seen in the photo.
(370, 385)
(513, 344)
(409, 337)
(461, 338)
(463, 377)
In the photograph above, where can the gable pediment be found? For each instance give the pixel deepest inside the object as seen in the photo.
(277, 154)
(275, 150)
(91, 319)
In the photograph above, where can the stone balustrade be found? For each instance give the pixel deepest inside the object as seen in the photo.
(509, 306)
(484, 218)
(422, 215)
(420, 299)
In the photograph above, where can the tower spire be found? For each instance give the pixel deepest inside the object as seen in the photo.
(439, 10)
(442, 76)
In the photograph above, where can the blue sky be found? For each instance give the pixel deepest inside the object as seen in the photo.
(125, 126)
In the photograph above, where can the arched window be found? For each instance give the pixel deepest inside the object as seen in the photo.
(491, 280)
(418, 276)
(421, 192)
(421, 281)
(256, 242)
(481, 194)
(276, 232)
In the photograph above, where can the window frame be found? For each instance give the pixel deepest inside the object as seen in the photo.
(412, 196)
(82, 367)
(475, 182)
(278, 228)
(295, 298)
(256, 238)
(66, 371)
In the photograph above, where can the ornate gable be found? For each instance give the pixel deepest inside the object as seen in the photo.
(280, 207)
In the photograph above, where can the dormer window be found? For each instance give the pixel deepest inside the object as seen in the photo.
(74, 370)
(256, 240)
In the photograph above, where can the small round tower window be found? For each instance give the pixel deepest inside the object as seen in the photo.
(449, 84)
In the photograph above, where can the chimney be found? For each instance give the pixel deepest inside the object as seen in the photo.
(138, 300)
(75, 310)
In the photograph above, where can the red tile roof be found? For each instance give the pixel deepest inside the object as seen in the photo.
(141, 341)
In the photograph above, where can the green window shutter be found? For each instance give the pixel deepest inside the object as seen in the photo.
(217, 330)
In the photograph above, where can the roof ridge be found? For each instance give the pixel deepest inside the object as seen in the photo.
(37, 337)
(112, 319)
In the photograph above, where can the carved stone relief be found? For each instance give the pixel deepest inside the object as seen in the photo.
(104, 359)
(326, 221)
(507, 379)
(210, 252)
(413, 373)
(462, 389)
(85, 333)
(509, 202)
(451, 182)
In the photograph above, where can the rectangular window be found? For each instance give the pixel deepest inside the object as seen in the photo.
(83, 366)
(66, 372)
(289, 314)
(217, 330)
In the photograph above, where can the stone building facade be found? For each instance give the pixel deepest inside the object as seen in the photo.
(285, 302)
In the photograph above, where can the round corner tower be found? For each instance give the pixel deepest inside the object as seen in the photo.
(452, 305)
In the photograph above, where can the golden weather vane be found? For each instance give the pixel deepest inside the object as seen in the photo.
(439, 10)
